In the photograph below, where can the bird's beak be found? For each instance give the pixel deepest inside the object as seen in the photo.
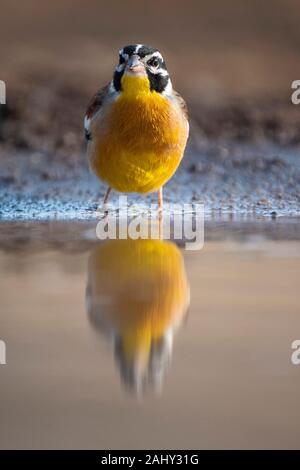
(135, 66)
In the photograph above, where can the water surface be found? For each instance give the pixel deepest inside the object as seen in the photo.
(141, 344)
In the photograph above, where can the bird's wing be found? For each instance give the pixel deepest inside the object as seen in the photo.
(94, 107)
(181, 103)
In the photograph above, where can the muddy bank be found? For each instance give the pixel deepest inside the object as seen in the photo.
(226, 176)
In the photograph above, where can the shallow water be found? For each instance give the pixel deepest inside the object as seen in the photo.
(141, 344)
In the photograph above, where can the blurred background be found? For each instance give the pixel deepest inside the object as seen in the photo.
(233, 61)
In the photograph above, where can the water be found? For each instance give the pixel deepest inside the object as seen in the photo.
(141, 344)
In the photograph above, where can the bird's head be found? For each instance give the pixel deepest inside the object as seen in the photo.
(141, 66)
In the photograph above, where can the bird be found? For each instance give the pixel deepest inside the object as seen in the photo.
(137, 126)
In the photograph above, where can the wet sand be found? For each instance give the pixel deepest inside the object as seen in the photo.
(79, 370)
(226, 176)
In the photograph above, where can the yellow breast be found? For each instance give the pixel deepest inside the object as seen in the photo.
(140, 140)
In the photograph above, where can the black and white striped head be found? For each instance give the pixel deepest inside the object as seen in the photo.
(141, 60)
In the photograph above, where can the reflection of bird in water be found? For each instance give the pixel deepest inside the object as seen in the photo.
(138, 293)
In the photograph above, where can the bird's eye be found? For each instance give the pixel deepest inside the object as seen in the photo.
(154, 62)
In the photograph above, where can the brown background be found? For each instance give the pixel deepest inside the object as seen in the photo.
(215, 49)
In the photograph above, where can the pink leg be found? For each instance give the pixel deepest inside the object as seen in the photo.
(160, 199)
(107, 195)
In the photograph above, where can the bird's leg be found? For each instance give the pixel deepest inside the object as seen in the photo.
(160, 199)
(106, 195)
(103, 208)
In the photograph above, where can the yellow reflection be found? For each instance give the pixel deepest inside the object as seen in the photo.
(138, 293)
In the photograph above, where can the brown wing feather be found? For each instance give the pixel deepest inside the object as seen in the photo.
(94, 106)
